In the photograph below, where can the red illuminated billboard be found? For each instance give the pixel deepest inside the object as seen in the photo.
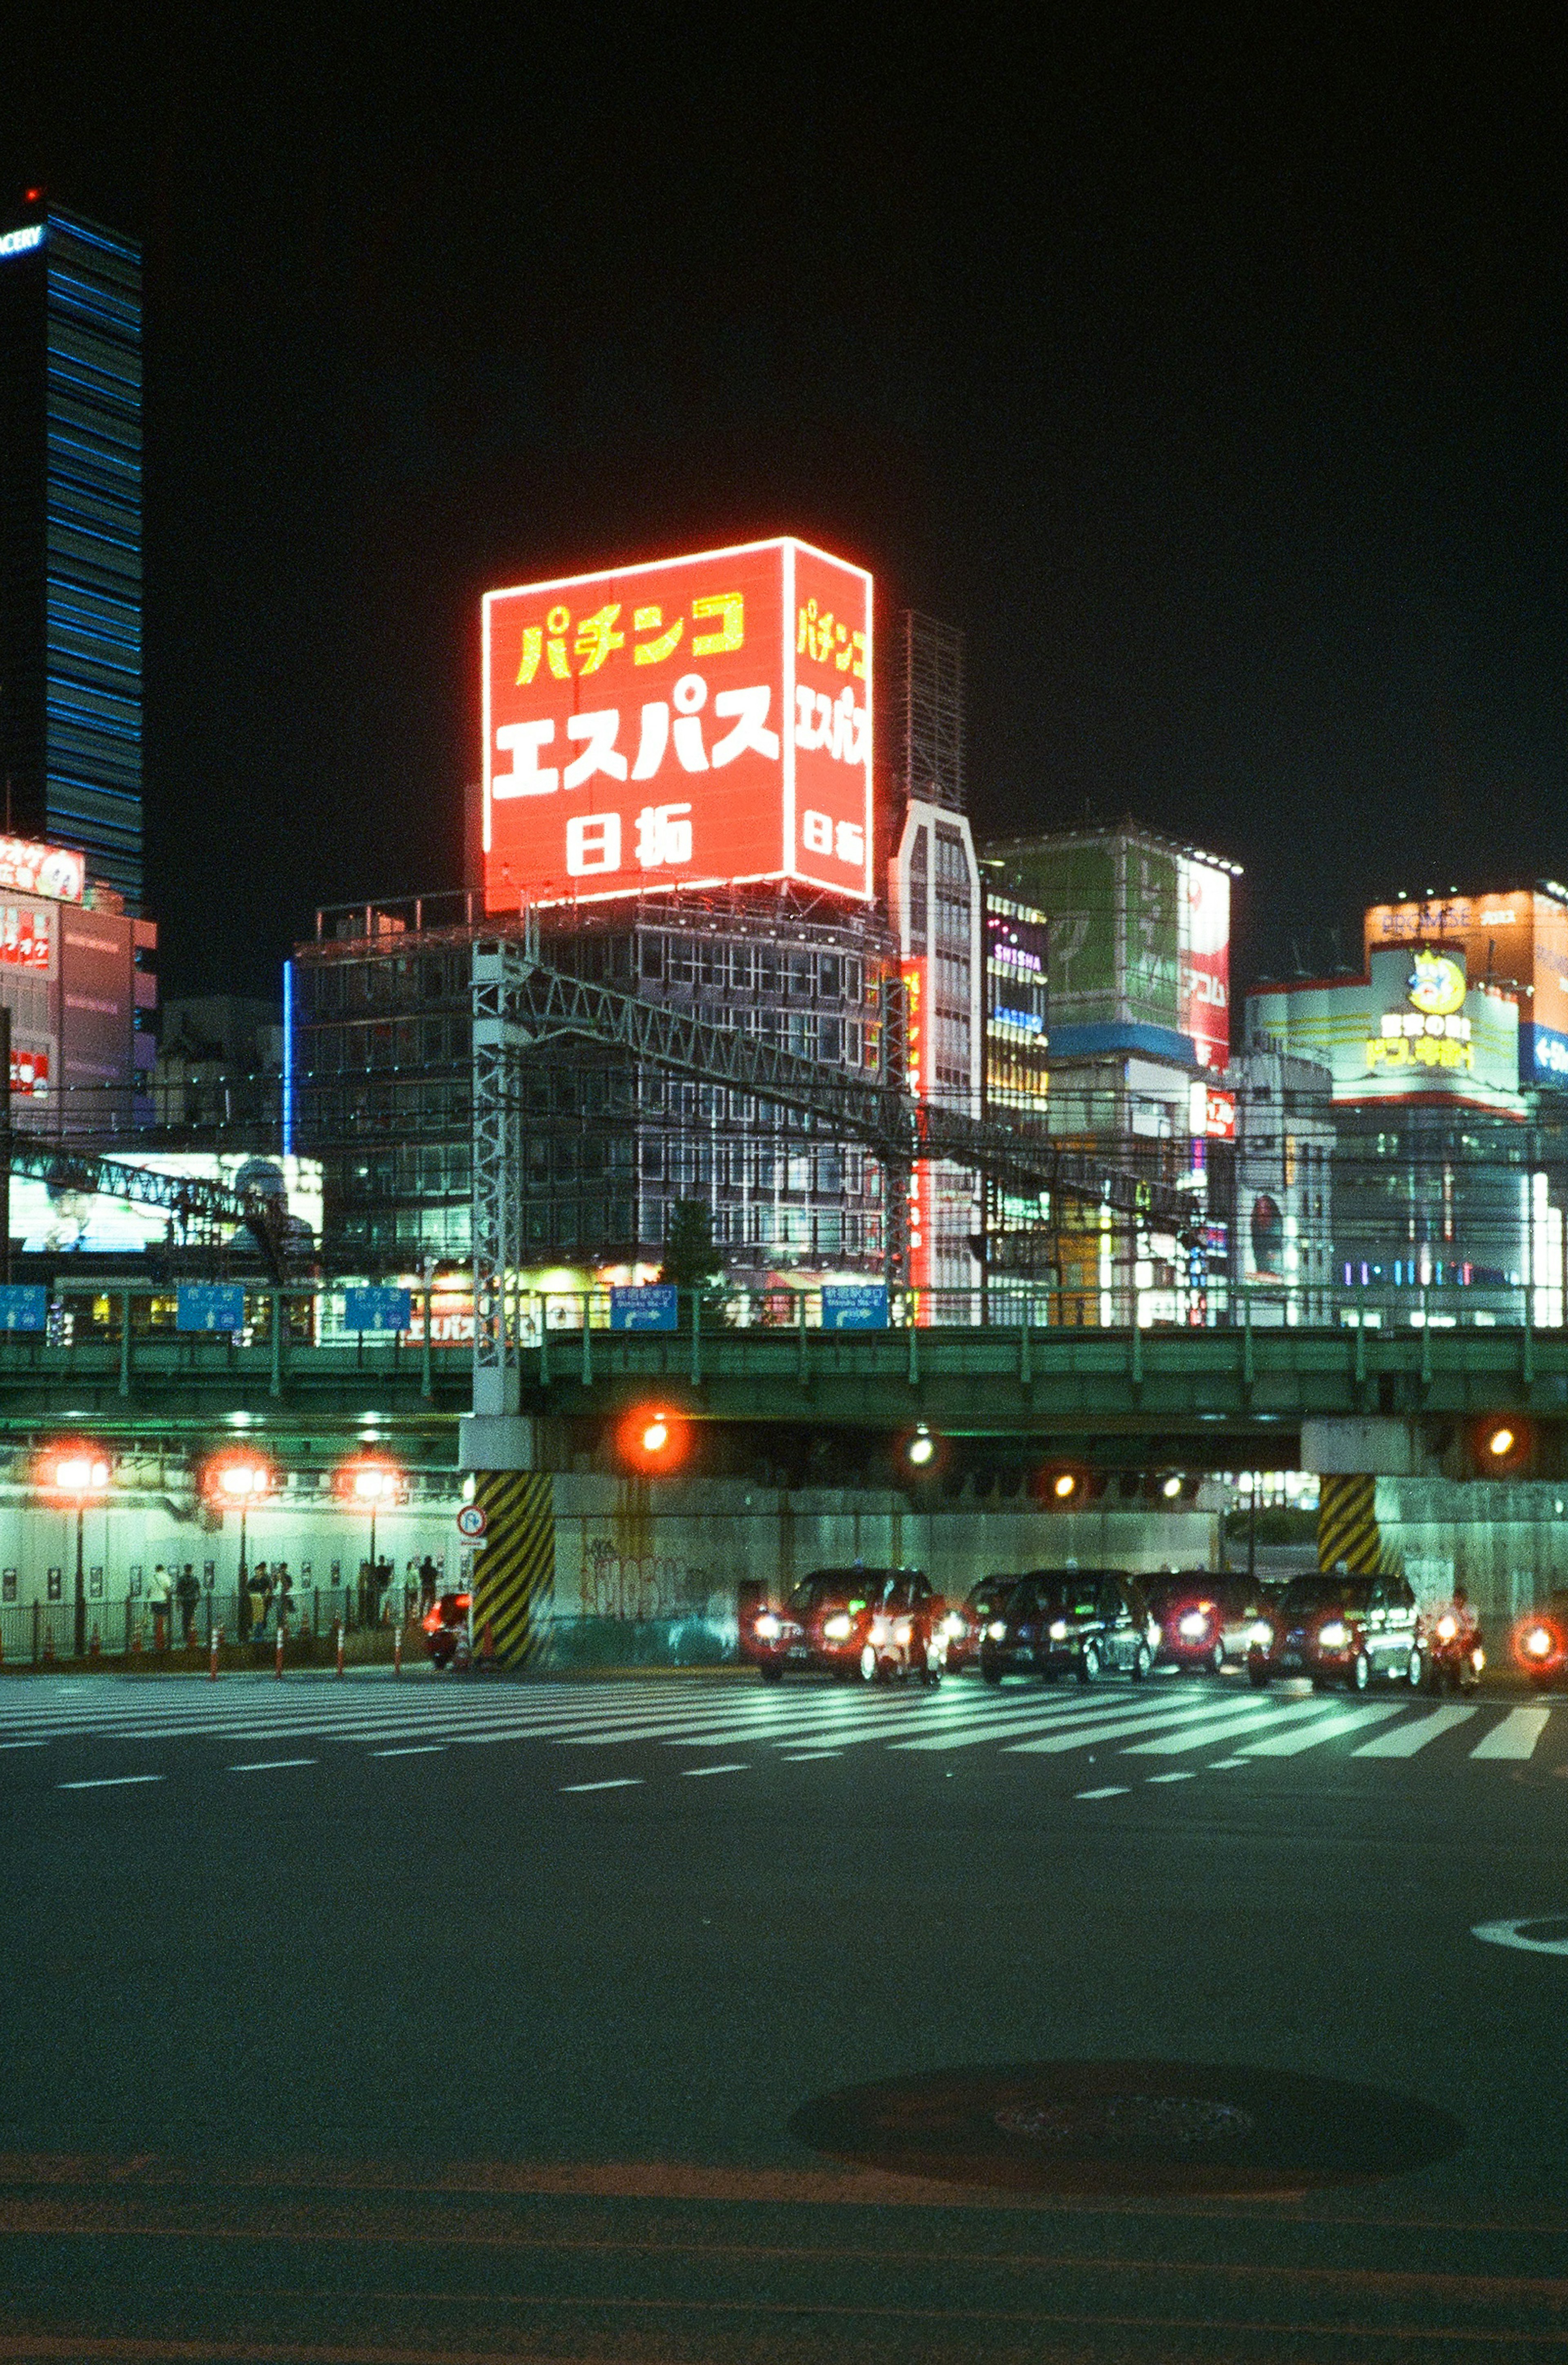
(695, 722)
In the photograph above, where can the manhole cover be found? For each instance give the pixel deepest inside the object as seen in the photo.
(1130, 2126)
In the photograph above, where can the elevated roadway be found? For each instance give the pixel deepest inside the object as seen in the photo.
(1217, 1398)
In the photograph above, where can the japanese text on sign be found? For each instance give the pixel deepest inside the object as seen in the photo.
(705, 720)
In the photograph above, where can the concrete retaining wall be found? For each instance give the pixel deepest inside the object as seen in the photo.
(1508, 1545)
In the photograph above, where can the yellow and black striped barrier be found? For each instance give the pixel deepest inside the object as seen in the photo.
(1347, 1525)
(514, 1568)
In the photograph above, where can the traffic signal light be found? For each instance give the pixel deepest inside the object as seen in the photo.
(651, 1440)
(1502, 1445)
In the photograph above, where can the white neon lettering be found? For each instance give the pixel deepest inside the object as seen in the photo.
(690, 696)
(654, 740)
(751, 706)
(593, 842)
(599, 755)
(523, 741)
(19, 241)
(663, 836)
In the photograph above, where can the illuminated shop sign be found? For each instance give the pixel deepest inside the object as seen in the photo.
(57, 871)
(1432, 1032)
(697, 722)
(922, 1200)
(21, 241)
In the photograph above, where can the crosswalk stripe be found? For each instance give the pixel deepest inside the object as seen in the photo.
(1325, 1728)
(1517, 1736)
(1243, 1717)
(1406, 1739)
(965, 1724)
(1054, 1745)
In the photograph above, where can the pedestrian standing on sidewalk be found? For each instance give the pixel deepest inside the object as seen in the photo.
(187, 1593)
(159, 1594)
(428, 1576)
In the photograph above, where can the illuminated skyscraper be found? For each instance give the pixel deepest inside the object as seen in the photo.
(71, 537)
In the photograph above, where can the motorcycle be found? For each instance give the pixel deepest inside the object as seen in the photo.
(1455, 1655)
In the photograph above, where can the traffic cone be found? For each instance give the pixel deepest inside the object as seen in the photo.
(397, 1649)
(95, 1648)
(212, 1655)
(49, 1644)
(136, 1640)
(340, 1646)
(277, 1656)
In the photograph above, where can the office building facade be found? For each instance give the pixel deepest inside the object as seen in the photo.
(71, 497)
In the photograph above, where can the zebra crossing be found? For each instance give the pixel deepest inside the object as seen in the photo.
(1141, 1728)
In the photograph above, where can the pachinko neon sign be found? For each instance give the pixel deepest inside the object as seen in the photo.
(695, 722)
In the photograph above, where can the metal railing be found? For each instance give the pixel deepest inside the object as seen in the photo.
(38, 1632)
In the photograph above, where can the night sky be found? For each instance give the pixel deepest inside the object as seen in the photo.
(1216, 391)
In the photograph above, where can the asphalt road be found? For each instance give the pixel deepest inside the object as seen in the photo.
(391, 2022)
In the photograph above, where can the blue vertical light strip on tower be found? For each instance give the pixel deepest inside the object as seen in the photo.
(288, 1058)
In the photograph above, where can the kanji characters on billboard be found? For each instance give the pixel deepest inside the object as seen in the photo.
(697, 722)
(1204, 938)
(921, 1184)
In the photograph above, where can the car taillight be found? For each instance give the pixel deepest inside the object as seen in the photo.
(1446, 1628)
(1193, 1626)
(1538, 1641)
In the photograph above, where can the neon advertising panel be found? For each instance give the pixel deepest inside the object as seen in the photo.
(694, 723)
(921, 1195)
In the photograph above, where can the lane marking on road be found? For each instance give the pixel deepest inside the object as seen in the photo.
(695, 1773)
(421, 1749)
(1111, 1791)
(1511, 1934)
(806, 1756)
(24, 1745)
(271, 1765)
(111, 1782)
(1406, 1739)
(1325, 1728)
(617, 1782)
(1223, 1764)
(1517, 1735)
(1187, 1774)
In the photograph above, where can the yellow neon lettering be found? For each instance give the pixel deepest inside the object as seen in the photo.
(533, 646)
(731, 607)
(596, 637)
(649, 620)
(558, 623)
(857, 644)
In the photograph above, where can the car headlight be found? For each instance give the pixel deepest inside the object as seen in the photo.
(1446, 1628)
(953, 1627)
(1478, 1658)
(901, 1633)
(1335, 1635)
(1193, 1626)
(1151, 1634)
(769, 1627)
(837, 1629)
(997, 1630)
(1059, 1630)
(1538, 1642)
(1261, 1634)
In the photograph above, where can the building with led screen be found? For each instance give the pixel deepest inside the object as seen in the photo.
(71, 537)
(78, 977)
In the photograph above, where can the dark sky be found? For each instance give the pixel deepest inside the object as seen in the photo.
(1212, 382)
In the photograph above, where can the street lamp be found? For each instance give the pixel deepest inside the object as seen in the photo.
(236, 1481)
(77, 1474)
(373, 1485)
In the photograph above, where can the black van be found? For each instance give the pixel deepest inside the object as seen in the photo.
(1086, 1621)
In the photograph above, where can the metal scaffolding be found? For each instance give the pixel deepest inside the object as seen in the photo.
(928, 713)
(521, 1003)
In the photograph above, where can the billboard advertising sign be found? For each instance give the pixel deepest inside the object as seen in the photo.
(53, 1218)
(54, 871)
(922, 1207)
(1518, 941)
(1205, 1008)
(692, 723)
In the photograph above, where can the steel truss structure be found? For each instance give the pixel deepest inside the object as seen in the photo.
(521, 1002)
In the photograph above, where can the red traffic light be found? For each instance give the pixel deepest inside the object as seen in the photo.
(652, 1439)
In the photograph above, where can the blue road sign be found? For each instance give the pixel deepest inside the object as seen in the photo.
(210, 1306)
(655, 1306)
(855, 1305)
(377, 1309)
(23, 1307)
